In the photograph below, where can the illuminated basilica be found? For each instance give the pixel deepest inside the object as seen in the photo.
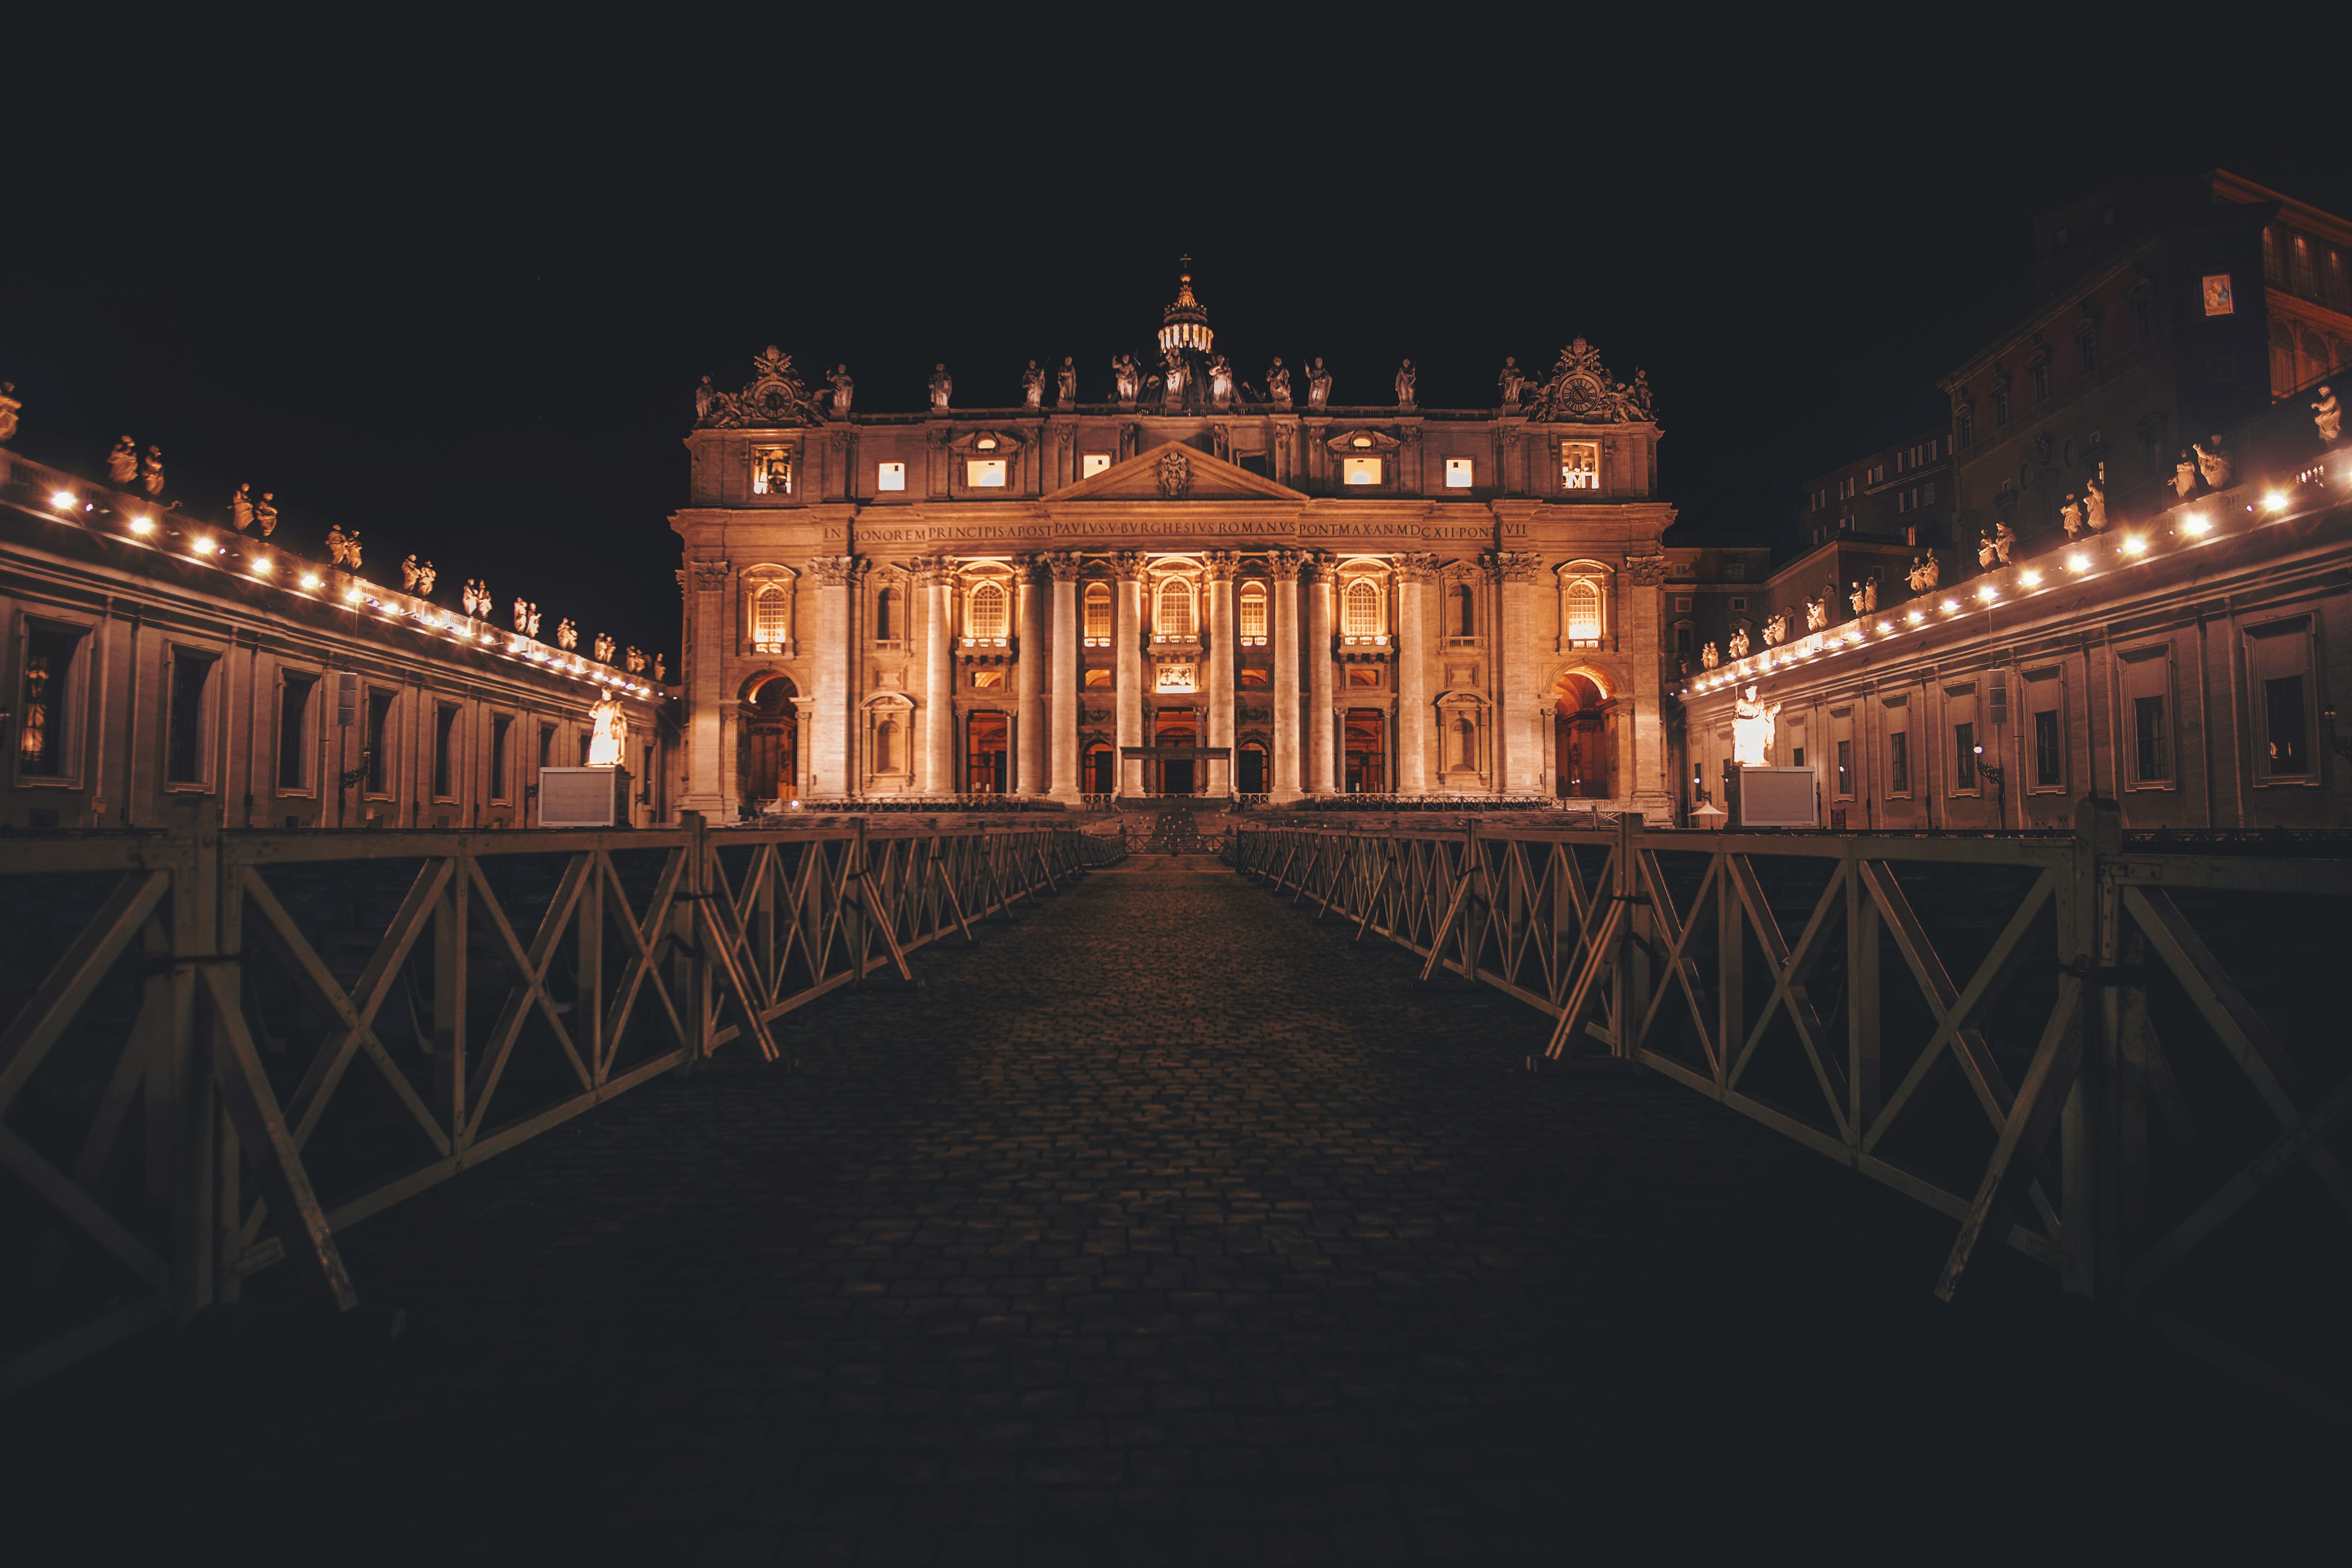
(1157, 579)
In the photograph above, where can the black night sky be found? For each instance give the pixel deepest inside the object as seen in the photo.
(455, 290)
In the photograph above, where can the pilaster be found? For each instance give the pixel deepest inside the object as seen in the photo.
(831, 771)
(1128, 634)
(1026, 683)
(1067, 677)
(707, 585)
(935, 575)
(1321, 719)
(1520, 766)
(1284, 565)
(1414, 573)
(1220, 656)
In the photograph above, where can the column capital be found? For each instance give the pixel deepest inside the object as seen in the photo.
(838, 570)
(1067, 565)
(1128, 565)
(1284, 565)
(1417, 566)
(1220, 564)
(1511, 566)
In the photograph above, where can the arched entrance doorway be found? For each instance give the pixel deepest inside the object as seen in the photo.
(767, 741)
(1251, 770)
(1367, 751)
(1584, 755)
(988, 734)
(1176, 726)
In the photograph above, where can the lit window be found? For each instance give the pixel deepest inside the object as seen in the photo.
(987, 680)
(771, 470)
(1364, 609)
(984, 616)
(1093, 463)
(1584, 610)
(1363, 676)
(1175, 609)
(1098, 612)
(1460, 471)
(984, 474)
(890, 477)
(771, 616)
(1580, 466)
(1098, 677)
(1253, 611)
(1360, 470)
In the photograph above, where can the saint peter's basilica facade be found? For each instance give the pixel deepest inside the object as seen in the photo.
(1182, 585)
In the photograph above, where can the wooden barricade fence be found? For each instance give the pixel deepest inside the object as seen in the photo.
(178, 1104)
(2122, 1111)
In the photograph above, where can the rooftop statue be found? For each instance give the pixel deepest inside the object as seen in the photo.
(122, 463)
(265, 515)
(337, 545)
(1319, 386)
(1776, 629)
(1032, 388)
(424, 576)
(2184, 477)
(1404, 379)
(409, 573)
(1221, 383)
(151, 471)
(1710, 656)
(1514, 383)
(2095, 501)
(1817, 610)
(2004, 538)
(774, 396)
(605, 647)
(240, 508)
(1065, 384)
(1751, 731)
(704, 396)
(10, 403)
(567, 635)
(1581, 391)
(1277, 383)
(659, 678)
(1174, 376)
(522, 617)
(634, 660)
(1925, 572)
(1739, 642)
(1127, 378)
(942, 384)
(2325, 414)
(2213, 464)
(2071, 515)
(844, 391)
(351, 548)
(1986, 554)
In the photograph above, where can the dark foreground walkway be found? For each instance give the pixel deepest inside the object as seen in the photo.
(1161, 1227)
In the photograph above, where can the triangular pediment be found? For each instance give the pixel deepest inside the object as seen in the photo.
(1175, 473)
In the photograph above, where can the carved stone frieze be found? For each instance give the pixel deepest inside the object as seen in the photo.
(1175, 473)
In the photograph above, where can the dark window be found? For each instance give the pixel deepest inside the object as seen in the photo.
(1844, 766)
(2282, 724)
(1683, 638)
(185, 747)
(2041, 373)
(1898, 764)
(41, 731)
(293, 733)
(584, 739)
(1964, 750)
(2147, 311)
(2148, 740)
(886, 615)
(501, 731)
(1968, 432)
(379, 714)
(1796, 757)
(2001, 405)
(2274, 264)
(1465, 612)
(445, 745)
(2090, 347)
(547, 746)
(2049, 762)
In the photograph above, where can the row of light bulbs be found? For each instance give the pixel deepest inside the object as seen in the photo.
(2197, 525)
(262, 566)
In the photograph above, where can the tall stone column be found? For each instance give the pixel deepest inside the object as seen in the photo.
(1413, 575)
(1320, 719)
(1128, 634)
(1069, 672)
(1284, 565)
(830, 768)
(1027, 679)
(1518, 657)
(709, 790)
(936, 575)
(1219, 657)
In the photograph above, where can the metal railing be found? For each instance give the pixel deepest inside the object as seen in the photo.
(178, 1101)
(2076, 1066)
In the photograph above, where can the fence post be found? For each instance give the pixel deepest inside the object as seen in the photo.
(1629, 980)
(689, 965)
(193, 1126)
(2090, 941)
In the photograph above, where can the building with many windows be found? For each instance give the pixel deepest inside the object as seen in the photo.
(1902, 492)
(1171, 582)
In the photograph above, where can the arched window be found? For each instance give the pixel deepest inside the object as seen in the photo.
(886, 746)
(1175, 609)
(984, 618)
(886, 615)
(1583, 612)
(1465, 749)
(1253, 612)
(1098, 612)
(1362, 616)
(1466, 611)
(771, 616)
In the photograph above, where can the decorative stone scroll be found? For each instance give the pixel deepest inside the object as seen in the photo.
(774, 396)
(1580, 391)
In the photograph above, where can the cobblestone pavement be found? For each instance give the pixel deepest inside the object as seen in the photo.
(1162, 1226)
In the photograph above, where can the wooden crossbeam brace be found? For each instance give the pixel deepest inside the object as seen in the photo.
(70, 980)
(2025, 1134)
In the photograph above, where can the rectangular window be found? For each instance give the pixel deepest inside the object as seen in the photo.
(585, 741)
(1845, 768)
(43, 732)
(2001, 405)
(987, 680)
(1878, 474)
(2049, 759)
(771, 470)
(547, 746)
(1681, 636)
(2090, 346)
(1460, 472)
(1964, 755)
(445, 747)
(1098, 677)
(1580, 466)
(1360, 470)
(1898, 764)
(1256, 677)
(1928, 494)
(983, 474)
(1093, 463)
(2041, 374)
(2282, 728)
(1967, 430)
(889, 476)
(294, 731)
(1796, 757)
(2149, 760)
(184, 747)
(1738, 605)
(378, 739)
(501, 734)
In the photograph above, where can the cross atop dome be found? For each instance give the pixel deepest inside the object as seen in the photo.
(1185, 323)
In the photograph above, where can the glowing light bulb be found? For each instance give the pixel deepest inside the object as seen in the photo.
(2134, 544)
(142, 525)
(1950, 605)
(2030, 576)
(2275, 501)
(63, 500)
(351, 596)
(264, 566)
(2078, 562)
(309, 580)
(2198, 527)
(1916, 616)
